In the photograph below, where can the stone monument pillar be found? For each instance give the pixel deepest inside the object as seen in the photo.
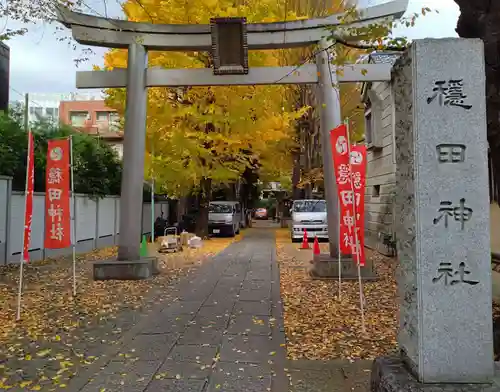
(442, 207)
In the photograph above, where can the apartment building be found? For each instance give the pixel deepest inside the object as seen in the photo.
(94, 118)
(45, 106)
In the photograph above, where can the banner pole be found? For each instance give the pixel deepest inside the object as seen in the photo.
(73, 199)
(21, 266)
(152, 191)
(361, 296)
(339, 254)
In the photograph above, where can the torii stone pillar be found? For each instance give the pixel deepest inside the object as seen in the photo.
(134, 152)
(138, 38)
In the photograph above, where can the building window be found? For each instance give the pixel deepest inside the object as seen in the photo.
(38, 112)
(78, 118)
(49, 112)
(102, 116)
(376, 191)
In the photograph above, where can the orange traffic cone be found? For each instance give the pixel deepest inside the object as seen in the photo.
(316, 250)
(305, 242)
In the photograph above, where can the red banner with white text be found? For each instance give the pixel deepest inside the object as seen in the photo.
(57, 194)
(350, 175)
(358, 170)
(340, 151)
(28, 206)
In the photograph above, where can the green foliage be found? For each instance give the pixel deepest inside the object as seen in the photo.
(97, 168)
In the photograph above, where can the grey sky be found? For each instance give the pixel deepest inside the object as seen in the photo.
(41, 63)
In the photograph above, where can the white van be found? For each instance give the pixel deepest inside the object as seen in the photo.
(224, 217)
(309, 215)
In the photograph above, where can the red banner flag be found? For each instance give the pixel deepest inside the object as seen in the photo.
(358, 170)
(340, 151)
(28, 206)
(57, 186)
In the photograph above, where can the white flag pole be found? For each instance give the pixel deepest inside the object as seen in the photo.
(73, 218)
(339, 254)
(361, 297)
(21, 266)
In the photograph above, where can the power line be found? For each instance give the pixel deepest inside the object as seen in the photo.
(336, 41)
(23, 95)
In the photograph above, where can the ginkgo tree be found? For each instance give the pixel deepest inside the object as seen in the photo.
(204, 136)
(208, 135)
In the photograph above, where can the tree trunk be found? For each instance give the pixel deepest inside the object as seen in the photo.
(307, 162)
(481, 19)
(181, 208)
(203, 202)
(296, 176)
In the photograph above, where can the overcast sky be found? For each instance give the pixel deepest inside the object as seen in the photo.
(41, 63)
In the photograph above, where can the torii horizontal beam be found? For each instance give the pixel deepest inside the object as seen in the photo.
(160, 77)
(114, 33)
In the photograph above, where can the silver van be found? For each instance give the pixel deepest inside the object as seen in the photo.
(309, 215)
(224, 217)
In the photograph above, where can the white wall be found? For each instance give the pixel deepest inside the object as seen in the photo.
(97, 223)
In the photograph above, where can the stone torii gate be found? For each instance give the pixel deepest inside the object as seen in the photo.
(138, 38)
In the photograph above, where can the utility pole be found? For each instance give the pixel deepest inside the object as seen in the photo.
(26, 111)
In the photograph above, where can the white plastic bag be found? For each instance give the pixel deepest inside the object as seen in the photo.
(195, 242)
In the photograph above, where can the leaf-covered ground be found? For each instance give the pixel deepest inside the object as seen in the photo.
(319, 326)
(58, 333)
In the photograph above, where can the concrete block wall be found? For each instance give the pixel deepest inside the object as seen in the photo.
(97, 223)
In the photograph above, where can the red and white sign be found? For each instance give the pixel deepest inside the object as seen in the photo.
(340, 149)
(350, 175)
(28, 207)
(358, 170)
(57, 186)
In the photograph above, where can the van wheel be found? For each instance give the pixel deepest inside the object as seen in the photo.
(238, 231)
(232, 232)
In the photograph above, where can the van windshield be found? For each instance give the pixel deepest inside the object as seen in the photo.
(220, 208)
(309, 206)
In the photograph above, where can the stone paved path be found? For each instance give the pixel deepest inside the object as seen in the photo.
(225, 332)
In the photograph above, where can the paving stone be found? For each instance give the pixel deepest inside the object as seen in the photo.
(258, 275)
(231, 291)
(223, 310)
(183, 307)
(245, 324)
(241, 348)
(256, 308)
(225, 292)
(195, 295)
(120, 377)
(169, 385)
(148, 347)
(168, 324)
(235, 271)
(255, 295)
(213, 321)
(230, 281)
(193, 353)
(237, 377)
(198, 335)
(221, 301)
(185, 370)
(256, 285)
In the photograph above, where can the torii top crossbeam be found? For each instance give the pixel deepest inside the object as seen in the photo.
(114, 33)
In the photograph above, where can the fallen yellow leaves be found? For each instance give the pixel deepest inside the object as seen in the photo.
(58, 334)
(319, 326)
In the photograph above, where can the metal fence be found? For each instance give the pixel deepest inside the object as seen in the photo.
(97, 223)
